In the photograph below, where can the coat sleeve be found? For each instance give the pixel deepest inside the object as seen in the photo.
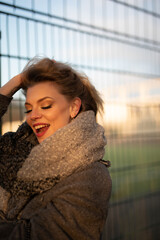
(5, 140)
(76, 208)
(4, 103)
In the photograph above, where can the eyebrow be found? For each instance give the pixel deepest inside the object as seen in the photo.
(40, 100)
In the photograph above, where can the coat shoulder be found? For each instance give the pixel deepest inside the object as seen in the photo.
(99, 178)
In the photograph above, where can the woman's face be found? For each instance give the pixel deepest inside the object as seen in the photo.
(47, 109)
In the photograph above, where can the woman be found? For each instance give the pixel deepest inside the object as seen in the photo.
(53, 183)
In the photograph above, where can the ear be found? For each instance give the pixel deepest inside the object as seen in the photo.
(75, 107)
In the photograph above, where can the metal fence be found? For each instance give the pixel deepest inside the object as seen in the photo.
(117, 44)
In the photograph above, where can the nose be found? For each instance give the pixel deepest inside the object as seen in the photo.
(35, 114)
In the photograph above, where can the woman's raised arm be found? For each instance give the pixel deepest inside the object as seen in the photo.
(12, 86)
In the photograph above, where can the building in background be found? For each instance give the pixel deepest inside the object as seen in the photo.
(117, 44)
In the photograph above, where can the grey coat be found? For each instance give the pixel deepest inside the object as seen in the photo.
(57, 189)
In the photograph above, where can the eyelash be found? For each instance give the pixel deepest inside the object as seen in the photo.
(28, 111)
(47, 107)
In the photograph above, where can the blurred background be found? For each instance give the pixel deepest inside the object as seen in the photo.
(117, 44)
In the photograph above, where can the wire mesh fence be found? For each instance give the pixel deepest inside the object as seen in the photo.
(116, 43)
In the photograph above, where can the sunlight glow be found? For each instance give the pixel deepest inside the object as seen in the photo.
(115, 113)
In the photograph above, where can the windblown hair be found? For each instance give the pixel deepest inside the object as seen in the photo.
(70, 82)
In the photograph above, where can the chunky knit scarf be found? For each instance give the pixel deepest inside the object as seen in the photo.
(69, 149)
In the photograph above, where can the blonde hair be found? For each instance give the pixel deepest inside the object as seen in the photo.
(71, 83)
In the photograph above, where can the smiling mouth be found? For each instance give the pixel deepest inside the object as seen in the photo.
(41, 129)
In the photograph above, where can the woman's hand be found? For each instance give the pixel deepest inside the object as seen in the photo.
(12, 86)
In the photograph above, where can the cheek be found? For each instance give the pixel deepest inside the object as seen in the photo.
(49, 117)
(60, 117)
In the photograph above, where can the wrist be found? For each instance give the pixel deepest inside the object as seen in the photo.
(11, 87)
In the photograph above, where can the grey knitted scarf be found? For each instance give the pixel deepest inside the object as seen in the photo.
(69, 149)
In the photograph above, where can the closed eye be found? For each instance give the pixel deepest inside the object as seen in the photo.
(28, 111)
(47, 107)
